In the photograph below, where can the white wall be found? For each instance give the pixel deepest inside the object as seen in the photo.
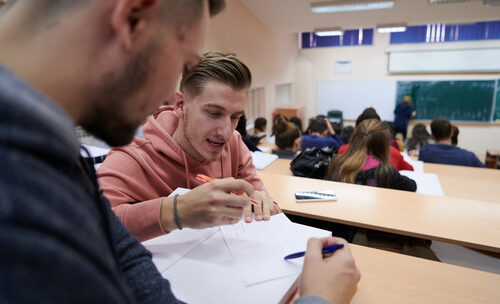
(369, 63)
(269, 56)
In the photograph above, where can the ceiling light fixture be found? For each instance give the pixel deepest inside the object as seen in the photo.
(335, 31)
(350, 5)
(391, 28)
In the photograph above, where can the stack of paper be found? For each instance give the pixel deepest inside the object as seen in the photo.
(241, 263)
(427, 183)
(262, 160)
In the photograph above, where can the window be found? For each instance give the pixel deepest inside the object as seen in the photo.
(440, 32)
(255, 105)
(349, 38)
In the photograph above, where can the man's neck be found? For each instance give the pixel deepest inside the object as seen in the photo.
(180, 138)
(443, 142)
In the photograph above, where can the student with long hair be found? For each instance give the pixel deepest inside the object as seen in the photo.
(288, 138)
(396, 159)
(419, 137)
(366, 161)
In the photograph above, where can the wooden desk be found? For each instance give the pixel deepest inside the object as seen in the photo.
(467, 182)
(388, 277)
(280, 166)
(457, 181)
(470, 223)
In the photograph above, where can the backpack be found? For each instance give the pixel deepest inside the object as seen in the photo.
(312, 162)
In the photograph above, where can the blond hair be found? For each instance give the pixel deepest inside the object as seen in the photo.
(224, 68)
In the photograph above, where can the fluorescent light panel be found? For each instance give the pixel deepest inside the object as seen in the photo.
(352, 5)
(329, 32)
(391, 28)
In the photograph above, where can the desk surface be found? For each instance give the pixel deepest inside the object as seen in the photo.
(458, 221)
(388, 277)
(467, 182)
(457, 181)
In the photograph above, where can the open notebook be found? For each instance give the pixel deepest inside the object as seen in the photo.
(241, 263)
(262, 160)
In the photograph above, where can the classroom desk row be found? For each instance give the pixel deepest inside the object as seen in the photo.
(456, 181)
(470, 223)
(388, 277)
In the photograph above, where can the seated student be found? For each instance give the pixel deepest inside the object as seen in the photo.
(61, 243)
(317, 136)
(395, 142)
(298, 122)
(197, 135)
(443, 152)
(288, 139)
(241, 127)
(397, 160)
(366, 162)
(260, 126)
(346, 133)
(419, 138)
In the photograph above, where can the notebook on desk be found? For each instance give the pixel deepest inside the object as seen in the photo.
(262, 160)
(241, 263)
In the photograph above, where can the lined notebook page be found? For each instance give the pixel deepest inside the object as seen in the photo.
(258, 248)
(170, 248)
(209, 275)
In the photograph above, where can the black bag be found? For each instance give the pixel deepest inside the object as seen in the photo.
(312, 162)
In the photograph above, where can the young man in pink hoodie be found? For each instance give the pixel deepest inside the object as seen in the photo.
(197, 135)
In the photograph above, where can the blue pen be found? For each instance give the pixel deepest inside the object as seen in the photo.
(325, 250)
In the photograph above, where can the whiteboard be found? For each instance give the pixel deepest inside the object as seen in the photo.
(352, 97)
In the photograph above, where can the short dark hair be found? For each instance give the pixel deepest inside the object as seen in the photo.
(224, 68)
(297, 121)
(317, 124)
(368, 113)
(454, 137)
(441, 128)
(260, 123)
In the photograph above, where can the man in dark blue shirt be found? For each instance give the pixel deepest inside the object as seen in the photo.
(318, 135)
(443, 152)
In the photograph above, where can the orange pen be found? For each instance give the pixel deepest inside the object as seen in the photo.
(208, 179)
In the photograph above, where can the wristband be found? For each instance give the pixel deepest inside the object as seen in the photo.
(176, 215)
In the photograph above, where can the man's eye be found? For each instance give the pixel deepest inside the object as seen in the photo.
(214, 114)
(235, 117)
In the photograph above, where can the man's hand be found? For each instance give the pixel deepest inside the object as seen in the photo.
(333, 278)
(208, 205)
(262, 212)
(329, 126)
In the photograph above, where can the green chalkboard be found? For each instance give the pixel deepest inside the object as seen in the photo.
(454, 100)
(496, 116)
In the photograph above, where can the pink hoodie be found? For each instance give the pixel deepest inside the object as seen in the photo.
(137, 177)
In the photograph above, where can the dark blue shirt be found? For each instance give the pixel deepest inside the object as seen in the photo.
(315, 141)
(403, 114)
(449, 155)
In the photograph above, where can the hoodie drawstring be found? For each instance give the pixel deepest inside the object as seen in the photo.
(188, 184)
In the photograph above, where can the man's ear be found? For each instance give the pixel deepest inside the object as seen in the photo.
(130, 18)
(179, 101)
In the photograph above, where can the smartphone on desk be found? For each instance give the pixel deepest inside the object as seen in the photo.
(315, 196)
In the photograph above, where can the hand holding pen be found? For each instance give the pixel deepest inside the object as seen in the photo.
(208, 179)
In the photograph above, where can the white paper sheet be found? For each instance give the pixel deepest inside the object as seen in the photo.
(209, 275)
(427, 183)
(262, 160)
(258, 248)
(170, 248)
(418, 165)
